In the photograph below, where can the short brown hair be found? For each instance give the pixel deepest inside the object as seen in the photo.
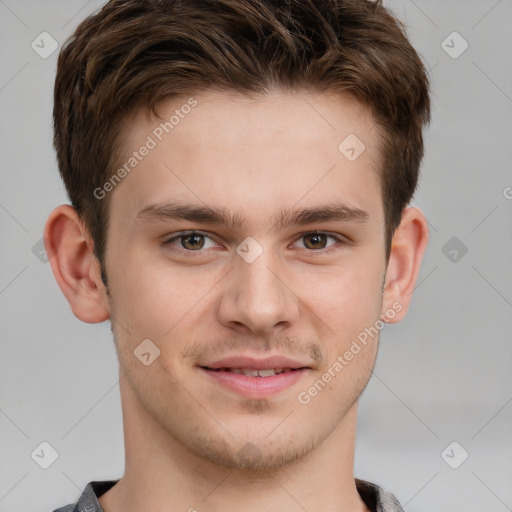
(134, 53)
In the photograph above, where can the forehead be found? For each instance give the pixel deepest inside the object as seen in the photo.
(234, 119)
(264, 150)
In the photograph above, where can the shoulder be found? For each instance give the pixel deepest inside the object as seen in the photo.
(67, 508)
(88, 500)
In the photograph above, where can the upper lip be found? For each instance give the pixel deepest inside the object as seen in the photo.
(268, 363)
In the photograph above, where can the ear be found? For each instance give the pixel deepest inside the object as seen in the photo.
(76, 269)
(407, 247)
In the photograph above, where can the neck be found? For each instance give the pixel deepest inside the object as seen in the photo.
(163, 475)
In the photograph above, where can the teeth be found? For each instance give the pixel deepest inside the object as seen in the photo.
(258, 373)
(266, 373)
(250, 373)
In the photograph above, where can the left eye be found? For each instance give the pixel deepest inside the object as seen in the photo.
(317, 240)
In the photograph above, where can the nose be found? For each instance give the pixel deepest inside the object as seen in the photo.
(257, 297)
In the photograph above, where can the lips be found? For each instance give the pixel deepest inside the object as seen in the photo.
(255, 378)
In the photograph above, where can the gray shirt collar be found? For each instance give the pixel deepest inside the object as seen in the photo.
(376, 499)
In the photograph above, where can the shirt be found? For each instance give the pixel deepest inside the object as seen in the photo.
(376, 499)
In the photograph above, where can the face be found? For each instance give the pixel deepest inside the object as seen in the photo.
(257, 279)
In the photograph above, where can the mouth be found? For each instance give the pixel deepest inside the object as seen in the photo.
(253, 378)
(250, 372)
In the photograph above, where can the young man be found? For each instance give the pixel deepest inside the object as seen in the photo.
(239, 173)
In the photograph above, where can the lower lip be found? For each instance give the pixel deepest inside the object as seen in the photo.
(256, 387)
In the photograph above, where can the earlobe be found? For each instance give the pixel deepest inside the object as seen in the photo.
(76, 269)
(408, 246)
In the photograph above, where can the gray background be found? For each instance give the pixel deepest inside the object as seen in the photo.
(442, 375)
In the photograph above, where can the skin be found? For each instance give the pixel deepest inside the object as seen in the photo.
(185, 434)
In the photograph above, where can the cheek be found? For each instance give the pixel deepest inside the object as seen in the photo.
(336, 386)
(349, 294)
(156, 301)
(348, 301)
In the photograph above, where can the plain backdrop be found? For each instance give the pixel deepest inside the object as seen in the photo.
(442, 386)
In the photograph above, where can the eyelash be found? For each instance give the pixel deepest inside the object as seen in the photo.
(168, 242)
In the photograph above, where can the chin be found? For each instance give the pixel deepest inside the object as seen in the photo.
(255, 451)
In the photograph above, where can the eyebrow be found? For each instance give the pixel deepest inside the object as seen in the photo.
(281, 220)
